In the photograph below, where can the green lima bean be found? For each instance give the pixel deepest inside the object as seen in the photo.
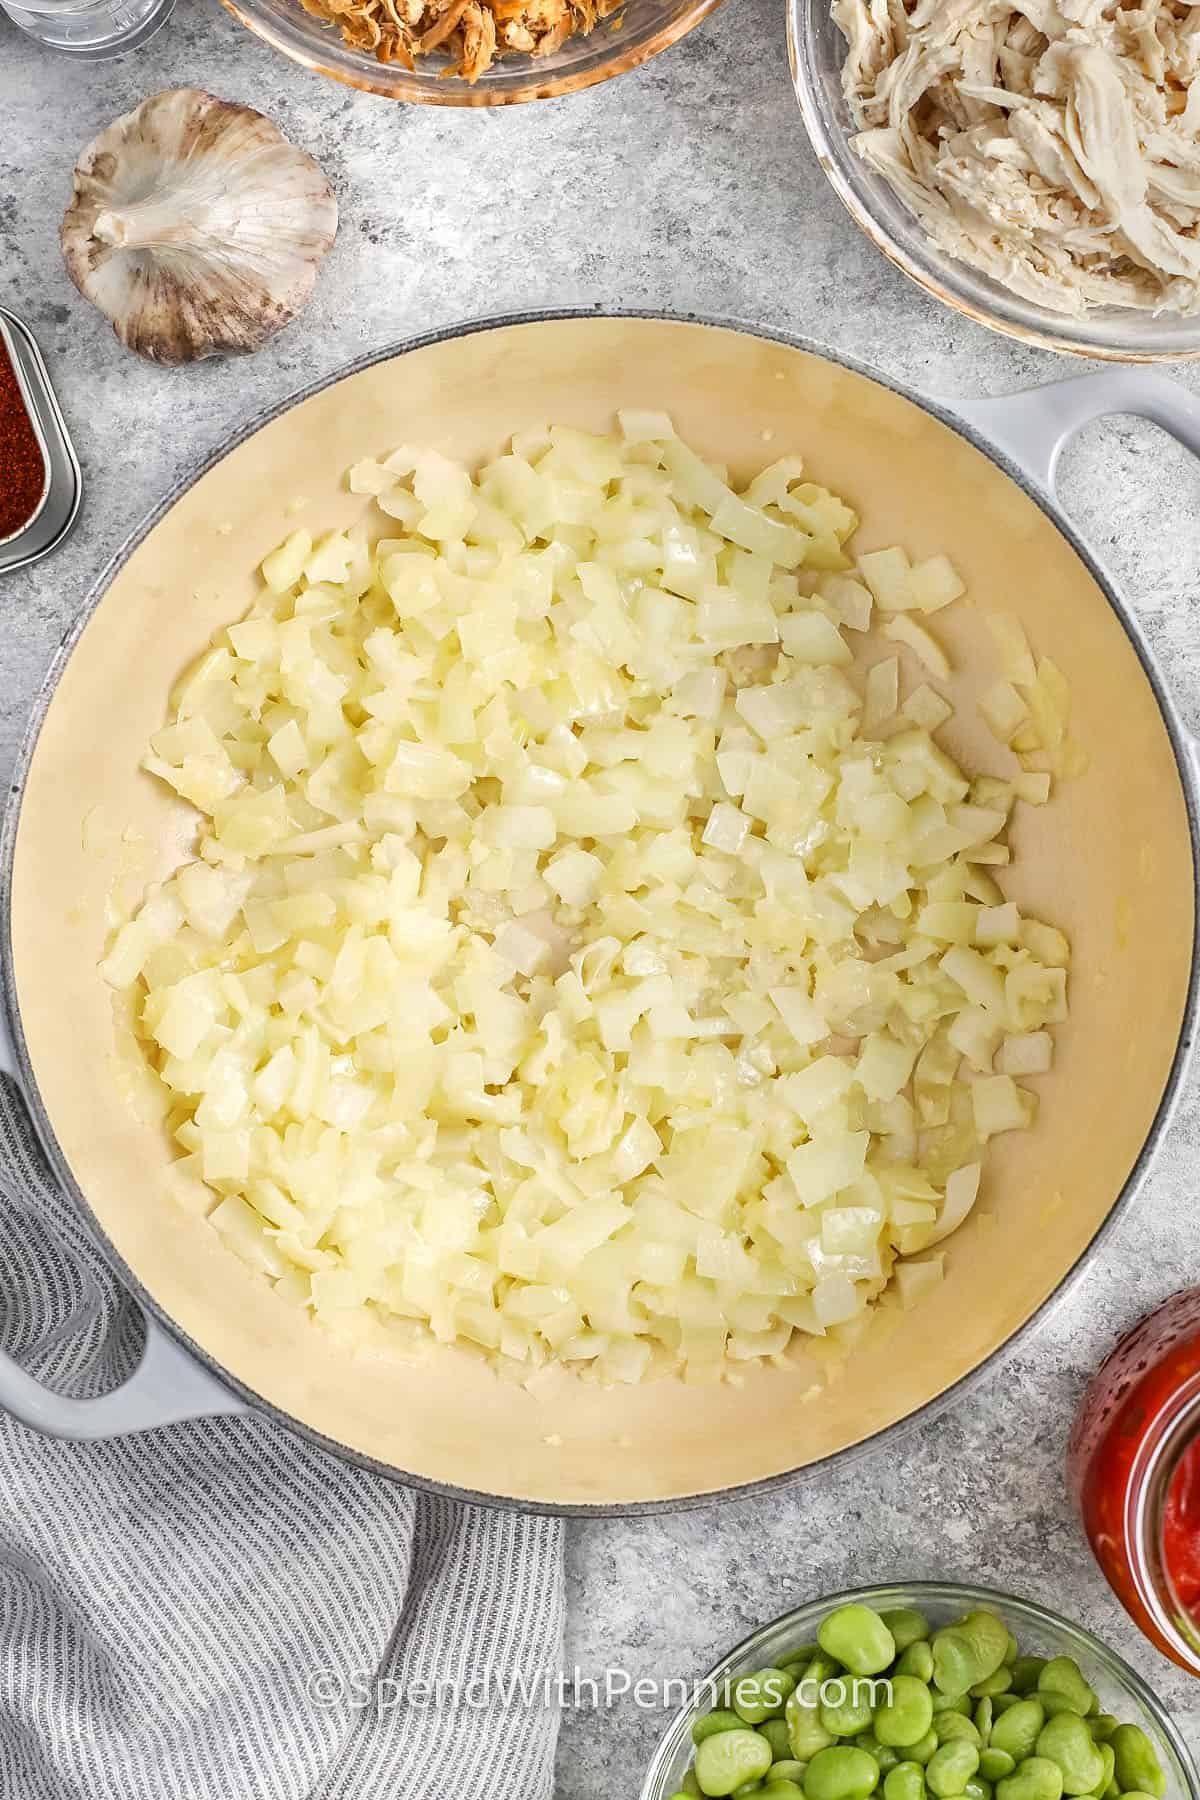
(907, 1626)
(995, 1764)
(969, 1652)
(1138, 1769)
(776, 1733)
(1066, 1740)
(905, 1782)
(728, 1759)
(718, 1720)
(857, 1637)
(762, 1695)
(841, 1773)
(917, 1661)
(1034, 1779)
(1017, 1729)
(1062, 1675)
(848, 1717)
(907, 1715)
(950, 1768)
(806, 1734)
(953, 1728)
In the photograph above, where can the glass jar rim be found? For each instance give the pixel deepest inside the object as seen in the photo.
(1170, 1436)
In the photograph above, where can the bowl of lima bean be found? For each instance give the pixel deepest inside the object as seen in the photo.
(922, 1691)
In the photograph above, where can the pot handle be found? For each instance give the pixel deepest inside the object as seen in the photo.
(167, 1386)
(1033, 426)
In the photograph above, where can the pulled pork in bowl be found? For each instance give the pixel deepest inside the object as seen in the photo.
(470, 52)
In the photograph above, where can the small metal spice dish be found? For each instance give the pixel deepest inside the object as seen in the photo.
(35, 515)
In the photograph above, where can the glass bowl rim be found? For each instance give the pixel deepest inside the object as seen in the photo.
(415, 87)
(1035, 326)
(902, 1593)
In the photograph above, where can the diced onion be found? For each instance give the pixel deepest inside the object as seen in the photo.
(888, 574)
(927, 708)
(582, 962)
(999, 1105)
(1016, 658)
(962, 1189)
(809, 637)
(936, 583)
(918, 1277)
(1026, 1053)
(904, 630)
(1004, 710)
(849, 599)
(882, 694)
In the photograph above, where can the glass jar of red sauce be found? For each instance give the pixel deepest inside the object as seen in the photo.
(1135, 1472)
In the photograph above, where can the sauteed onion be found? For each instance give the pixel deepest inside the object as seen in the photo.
(580, 962)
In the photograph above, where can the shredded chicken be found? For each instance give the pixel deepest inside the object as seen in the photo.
(1053, 144)
(472, 32)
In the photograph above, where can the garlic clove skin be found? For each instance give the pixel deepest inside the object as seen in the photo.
(196, 228)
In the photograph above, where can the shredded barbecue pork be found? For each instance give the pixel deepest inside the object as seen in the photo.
(473, 32)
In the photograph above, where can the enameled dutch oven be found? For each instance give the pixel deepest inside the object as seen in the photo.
(1112, 860)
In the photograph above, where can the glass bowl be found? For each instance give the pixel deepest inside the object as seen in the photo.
(639, 31)
(1039, 1632)
(817, 51)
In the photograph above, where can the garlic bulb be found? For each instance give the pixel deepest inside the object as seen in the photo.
(196, 227)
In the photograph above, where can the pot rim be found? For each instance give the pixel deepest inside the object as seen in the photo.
(1181, 744)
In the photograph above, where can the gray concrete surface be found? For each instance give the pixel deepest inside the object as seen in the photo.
(687, 185)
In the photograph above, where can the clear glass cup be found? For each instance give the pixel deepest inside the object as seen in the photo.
(89, 28)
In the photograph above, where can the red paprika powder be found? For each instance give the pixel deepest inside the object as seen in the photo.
(22, 465)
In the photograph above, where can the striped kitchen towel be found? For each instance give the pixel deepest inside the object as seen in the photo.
(220, 1611)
